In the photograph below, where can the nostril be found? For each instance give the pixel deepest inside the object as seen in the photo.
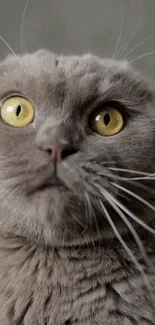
(49, 151)
(68, 152)
(58, 153)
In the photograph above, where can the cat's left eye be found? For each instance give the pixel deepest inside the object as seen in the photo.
(107, 121)
(17, 111)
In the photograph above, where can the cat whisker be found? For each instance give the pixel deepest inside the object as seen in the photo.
(124, 245)
(132, 230)
(122, 188)
(12, 175)
(149, 176)
(111, 162)
(133, 34)
(78, 221)
(138, 45)
(119, 50)
(107, 174)
(124, 179)
(12, 163)
(22, 27)
(3, 157)
(121, 30)
(12, 51)
(134, 182)
(142, 178)
(135, 178)
(130, 171)
(113, 72)
(141, 56)
(123, 208)
(141, 185)
(91, 212)
(88, 206)
(96, 223)
(65, 225)
(13, 192)
(130, 214)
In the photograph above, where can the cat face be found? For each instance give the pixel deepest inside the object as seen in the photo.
(61, 173)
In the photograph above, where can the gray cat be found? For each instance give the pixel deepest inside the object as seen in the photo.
(77, 157)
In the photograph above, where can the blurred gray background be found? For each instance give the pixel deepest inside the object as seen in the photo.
(78, 26)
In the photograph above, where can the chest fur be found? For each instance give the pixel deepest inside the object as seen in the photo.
(72, 287)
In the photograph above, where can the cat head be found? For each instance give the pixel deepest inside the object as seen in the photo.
(69, 128)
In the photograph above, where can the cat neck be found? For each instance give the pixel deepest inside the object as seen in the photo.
(18, 256)
(24, 263)
(16, 250)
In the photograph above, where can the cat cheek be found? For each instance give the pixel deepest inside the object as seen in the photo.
(37, 120)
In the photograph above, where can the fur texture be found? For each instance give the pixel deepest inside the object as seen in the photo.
(79, 251)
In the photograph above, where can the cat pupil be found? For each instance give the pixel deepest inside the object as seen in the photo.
(106, 119)
(18, 110)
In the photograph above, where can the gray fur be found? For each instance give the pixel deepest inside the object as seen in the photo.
(61, 261)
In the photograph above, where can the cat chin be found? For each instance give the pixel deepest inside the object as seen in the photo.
(56, 218)
(55, 235)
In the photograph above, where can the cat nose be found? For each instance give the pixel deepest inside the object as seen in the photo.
(60, 151)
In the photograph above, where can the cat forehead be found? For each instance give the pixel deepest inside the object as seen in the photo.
(45, 61)
(90, 73)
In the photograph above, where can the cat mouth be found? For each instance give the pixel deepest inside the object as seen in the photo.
(53, 182)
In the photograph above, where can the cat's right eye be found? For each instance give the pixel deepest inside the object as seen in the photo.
(17, 111)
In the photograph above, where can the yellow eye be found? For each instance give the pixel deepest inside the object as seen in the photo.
(108, 121)
(17, 111)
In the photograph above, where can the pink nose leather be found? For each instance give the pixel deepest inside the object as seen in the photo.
(56, 152)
